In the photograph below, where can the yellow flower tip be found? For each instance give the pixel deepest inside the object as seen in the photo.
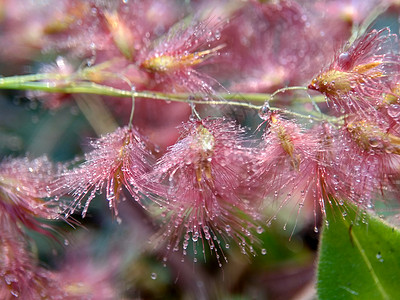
(363, 69)
(205, 139)
(371, 137)
(62, 21)
(394, 144)
(57, 26)
(172, 62)
(393, 97)
(162, 63)
(348, 13)
(77, 289)
(332, 83)
(285, 140)
(204, 143)
(335, 82)
(274, 119)
(121, 34)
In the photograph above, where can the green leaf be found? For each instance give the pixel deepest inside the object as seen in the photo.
(359, 256)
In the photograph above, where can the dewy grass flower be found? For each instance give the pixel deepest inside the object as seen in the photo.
(117, 160)
(360, 76)
(23, 185)
(331, 147)
(370, 158)
(354, 164)
(203, 172)
(286, 156)
(20, 278)
(263, 50)
(172, 59)
(285, 148)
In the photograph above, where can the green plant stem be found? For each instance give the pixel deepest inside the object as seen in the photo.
(31, 82)
(289, 88)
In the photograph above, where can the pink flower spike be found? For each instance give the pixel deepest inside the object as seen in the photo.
(95, 279)
(20, 276)
(172, 59)
(286, 147)
(23, 185)
(203, 172)
(372, 158)
(351, 164)
(361, 75)
(285, 159)
(117, 160)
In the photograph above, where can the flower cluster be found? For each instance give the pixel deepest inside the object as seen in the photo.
(117, 160)
(198, 177)
(361, 76)
(23, 185)
(204, 174)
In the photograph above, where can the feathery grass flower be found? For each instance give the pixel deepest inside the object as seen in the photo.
(23, 186)
(203, 172)
(20, 276)
(286, 156)
(360, 76)
(119, 159)
(172, 58)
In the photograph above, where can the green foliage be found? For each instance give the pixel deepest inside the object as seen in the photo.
(359, 256)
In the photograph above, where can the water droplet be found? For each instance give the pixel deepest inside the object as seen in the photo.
(14, 293)
(154, 276)
(344, 59)
(379, 257)
(9, 279)
(374, 142)
(195, 237)
(265, 112)
(394, 111)
(66, 242)
(263, 251)
(316, 229)
(389, 149)
(260, 230)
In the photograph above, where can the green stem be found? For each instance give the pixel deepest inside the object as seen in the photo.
(12, 80)
(31, 82)
(289, 88)
(94, 88)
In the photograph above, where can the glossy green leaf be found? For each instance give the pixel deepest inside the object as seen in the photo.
(359, 257)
